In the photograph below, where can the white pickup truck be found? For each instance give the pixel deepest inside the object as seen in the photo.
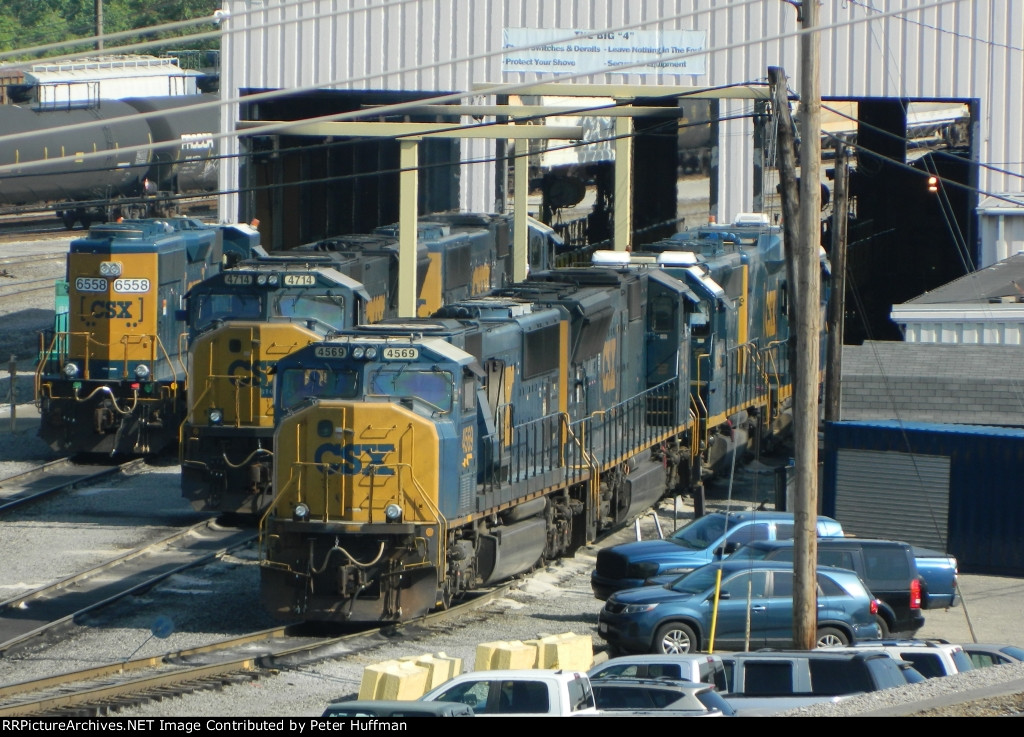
(552, 693)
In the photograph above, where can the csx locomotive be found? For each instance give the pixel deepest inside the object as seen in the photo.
(111, 378)
(419, 459)
(247, 318)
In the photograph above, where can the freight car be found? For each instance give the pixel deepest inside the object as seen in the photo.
(112, 378)
(247, 318)
(179, 159)
(419, 459)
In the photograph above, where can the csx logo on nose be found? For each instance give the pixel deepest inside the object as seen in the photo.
(352, 454)
(111, 310)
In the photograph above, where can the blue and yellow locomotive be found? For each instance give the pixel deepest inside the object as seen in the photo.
(111, 378)
(740, 365)
(428, 457)
(419, 459)
(246, 319)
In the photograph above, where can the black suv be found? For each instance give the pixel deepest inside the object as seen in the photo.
(886, 566)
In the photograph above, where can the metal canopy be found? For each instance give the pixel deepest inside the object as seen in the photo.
(409, 136)
(610, 110)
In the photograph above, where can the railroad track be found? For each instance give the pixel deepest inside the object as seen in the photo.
(49, 610)
(46, 610)
(53, 478)
(103, 689)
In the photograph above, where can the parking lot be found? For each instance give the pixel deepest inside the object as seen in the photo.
(991, 612)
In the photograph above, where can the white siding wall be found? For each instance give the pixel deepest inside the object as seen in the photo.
(962, 49)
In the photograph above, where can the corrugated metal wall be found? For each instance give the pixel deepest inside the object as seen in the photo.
(955, 488)
(913, 491)
(924, 49)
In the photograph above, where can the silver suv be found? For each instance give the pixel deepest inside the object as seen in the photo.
(931, 658)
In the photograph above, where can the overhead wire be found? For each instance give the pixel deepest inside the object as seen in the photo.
(504, 88)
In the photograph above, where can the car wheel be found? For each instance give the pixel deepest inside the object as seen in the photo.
(831, 637)
(883, 628)
(675, 638)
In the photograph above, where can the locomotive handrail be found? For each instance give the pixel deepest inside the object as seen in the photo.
(158, 347)
(47, 352)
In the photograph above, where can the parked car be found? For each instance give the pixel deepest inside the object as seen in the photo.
(539, 692)
(886, 566)
(983, 655)
(396, 709)
(767, 682)
(621, 693)
(695, 667)
(939, 571)
(705, 540)
(677, 618)
(930, 658)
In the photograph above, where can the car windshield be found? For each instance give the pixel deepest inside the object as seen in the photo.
(701, 533)
(696, 582)
(714, 700)
(1013, 652)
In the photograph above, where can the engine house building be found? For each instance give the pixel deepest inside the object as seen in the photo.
(915, 88)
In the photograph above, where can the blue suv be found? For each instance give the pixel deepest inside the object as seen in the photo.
(677, 618)
(705, 540)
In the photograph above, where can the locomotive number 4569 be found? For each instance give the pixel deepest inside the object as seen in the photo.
(400, 354)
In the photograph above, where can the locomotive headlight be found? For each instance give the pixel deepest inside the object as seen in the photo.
(393, 512)
(141, 372)
(358, 352)
(261, 280)
(371, 352)
(272, 280)
(71, 370)
(110, 268)
(300, 513)
(215, 416)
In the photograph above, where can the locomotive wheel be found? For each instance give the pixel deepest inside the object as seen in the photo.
(69, 220)
(446, 595)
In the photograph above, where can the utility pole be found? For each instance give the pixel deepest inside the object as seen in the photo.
(808, 320)
(99, 25)
(837, 302)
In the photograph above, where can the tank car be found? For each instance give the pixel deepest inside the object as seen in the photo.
(122, 183)
(111, 378)
(226, 447)
(418, 459)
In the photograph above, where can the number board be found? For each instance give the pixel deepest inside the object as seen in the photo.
(91, 284)
(331, 351)
(390, 353)
(238, 279)
(299, 280)
(131, 286)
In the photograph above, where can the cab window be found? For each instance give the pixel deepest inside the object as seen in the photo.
(300, 384)
(433, 387)
(210, 307)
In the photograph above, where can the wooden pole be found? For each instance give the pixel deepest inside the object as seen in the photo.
(808, 322)
(837, 302)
